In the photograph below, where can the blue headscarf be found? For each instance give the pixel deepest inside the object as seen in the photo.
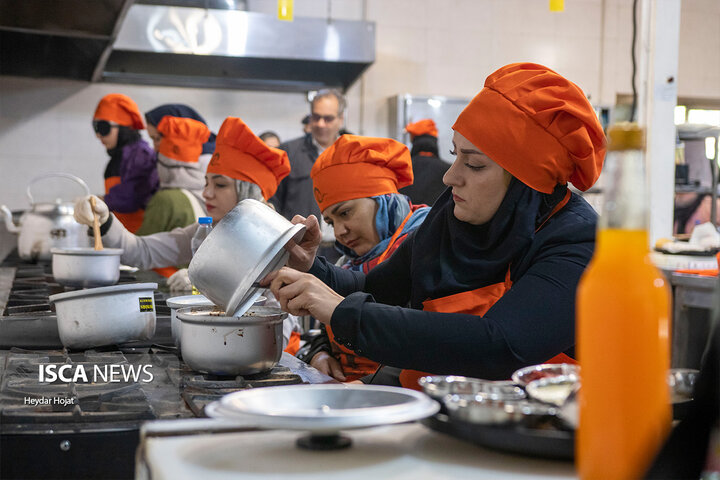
(154, 116)
(392, 210)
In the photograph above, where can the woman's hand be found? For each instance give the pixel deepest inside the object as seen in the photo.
(83, 212)
(179, 281)
(303, 294)
(328, 365)
(302, 255)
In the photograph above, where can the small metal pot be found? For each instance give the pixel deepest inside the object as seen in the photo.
(214, 343)
(247, 244)
(47, 225)
(105, 316)
(176, 303)
(86, 267)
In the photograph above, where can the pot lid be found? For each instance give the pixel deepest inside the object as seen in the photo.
(87, 251)
(88, 292)
(324, 408)
(275, 257)
(188, 301)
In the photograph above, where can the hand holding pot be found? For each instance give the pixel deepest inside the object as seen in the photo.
(302, 255)
(179, 281)
(303, 294)
(83, 213)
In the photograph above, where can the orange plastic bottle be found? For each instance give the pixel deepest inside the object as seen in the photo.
(623, 308)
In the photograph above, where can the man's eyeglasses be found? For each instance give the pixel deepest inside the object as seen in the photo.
(315, 118)
(103, 127)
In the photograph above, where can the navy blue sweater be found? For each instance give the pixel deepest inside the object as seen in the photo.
(531, 323)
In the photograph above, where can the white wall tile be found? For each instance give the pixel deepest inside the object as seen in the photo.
(401, 13)
(425, 47)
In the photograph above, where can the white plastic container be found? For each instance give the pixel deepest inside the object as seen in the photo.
(105, 316)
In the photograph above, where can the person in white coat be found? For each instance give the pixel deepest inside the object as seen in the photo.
(242, 167)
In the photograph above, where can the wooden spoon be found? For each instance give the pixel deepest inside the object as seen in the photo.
(96, 226)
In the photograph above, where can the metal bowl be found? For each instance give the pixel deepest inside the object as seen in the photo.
(489, 410)
(554, 390)
(439, 386)
(247, 244)
(526, 375)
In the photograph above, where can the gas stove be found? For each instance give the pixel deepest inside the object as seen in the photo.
(28, 320)
(77, 414)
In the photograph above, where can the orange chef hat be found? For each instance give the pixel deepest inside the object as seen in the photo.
(182, 138)
(358, 167)
(422, 127)
(241, 155)
(119, 109)
(537, 125)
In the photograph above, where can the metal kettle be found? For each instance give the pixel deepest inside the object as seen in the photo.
(47, 225)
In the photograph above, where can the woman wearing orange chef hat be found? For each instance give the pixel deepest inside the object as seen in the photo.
(356, 183)
(130, 175)
(179, 201)
(428, 168)
(490, 276)
(241, 167)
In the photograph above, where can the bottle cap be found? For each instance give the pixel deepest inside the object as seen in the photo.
(205, 220)
(625, 136)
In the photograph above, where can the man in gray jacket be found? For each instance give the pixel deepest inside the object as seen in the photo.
(295, 193)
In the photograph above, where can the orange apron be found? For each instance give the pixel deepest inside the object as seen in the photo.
(293, 343)
(354, 366)
(133, 220)
(475, 302)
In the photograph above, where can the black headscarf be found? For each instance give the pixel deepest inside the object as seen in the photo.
(451, 256)
(425, 143)
(126, 136)
(154, 116)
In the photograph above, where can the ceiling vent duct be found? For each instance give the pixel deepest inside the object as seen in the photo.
(182, 45)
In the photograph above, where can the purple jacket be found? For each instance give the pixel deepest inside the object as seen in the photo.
(138, 179)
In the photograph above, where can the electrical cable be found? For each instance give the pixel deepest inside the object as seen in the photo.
(634, 62)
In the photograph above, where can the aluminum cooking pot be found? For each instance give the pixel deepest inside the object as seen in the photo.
(114, 315)
(247, 244)
(47, 225)
(85, 266)
(214, 343)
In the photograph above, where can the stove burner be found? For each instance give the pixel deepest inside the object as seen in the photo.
(25, 400)
(201, 389)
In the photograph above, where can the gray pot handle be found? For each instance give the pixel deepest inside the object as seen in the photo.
(77, 180)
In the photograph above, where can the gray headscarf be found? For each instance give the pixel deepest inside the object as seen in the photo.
(177, 174)
(248, 190)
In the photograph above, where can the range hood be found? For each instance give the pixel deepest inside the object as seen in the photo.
(181, 46)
